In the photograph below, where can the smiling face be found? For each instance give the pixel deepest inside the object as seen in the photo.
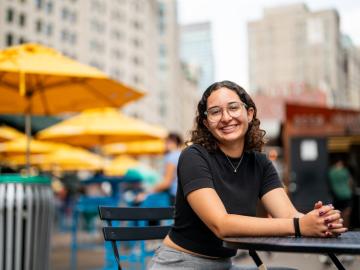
(228, 129)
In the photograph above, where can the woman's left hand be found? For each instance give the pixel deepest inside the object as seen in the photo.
(333, 220)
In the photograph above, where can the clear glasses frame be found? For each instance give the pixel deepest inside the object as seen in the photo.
(233, 109)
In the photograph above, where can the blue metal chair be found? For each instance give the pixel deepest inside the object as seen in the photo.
(137, 251)
(85, 205)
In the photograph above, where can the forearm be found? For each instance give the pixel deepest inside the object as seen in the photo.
(162, 186)
(238, 225)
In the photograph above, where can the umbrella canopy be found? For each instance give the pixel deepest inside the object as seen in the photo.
(9, 133)
(72, 159)
(149, 147)
(101, 126)
(18, 146)
(120, 165)
(63, 159)
(40, 80)
(20, 159)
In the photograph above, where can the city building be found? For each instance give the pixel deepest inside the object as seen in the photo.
(196, 49)
(292, 48)
(352, 72)
(133, 41)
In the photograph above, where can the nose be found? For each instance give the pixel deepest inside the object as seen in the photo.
(225, 115)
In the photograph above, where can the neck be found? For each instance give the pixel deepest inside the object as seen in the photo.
(233, 149)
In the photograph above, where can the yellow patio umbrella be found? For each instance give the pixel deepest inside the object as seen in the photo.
(20, 159)
(72, 159)
(18, 146)
(8, 133)
(95, 127)
(63, 159)
(39, 80)
(148, 147)
(120, 165)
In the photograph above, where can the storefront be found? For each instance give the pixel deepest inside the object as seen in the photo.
(312, 137)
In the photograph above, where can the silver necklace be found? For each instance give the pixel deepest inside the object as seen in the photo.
(232, 165)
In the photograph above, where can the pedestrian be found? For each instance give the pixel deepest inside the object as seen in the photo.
(168, 183)
(221, 176)
(340, 184)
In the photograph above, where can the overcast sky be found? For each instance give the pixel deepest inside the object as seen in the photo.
(229, 19)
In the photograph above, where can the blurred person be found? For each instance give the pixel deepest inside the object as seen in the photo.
(341, 188)
(168, 183)
(221, 176)
(274, 157)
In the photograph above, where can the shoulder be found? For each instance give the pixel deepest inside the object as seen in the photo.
(193, 151)
(194, 148)
(259, 157)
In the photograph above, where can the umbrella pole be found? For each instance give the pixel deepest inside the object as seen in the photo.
(28, 139)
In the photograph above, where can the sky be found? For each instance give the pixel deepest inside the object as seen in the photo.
(229, 25)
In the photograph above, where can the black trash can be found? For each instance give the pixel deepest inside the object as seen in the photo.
(26, 216)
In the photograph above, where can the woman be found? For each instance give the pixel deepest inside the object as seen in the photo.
(173, 146)
(221, 176)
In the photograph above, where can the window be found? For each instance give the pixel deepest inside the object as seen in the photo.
(116, 34)
(39, 4)
(136, 42)
(73, 38)
(64, 13)
(39, 26)
(73, 17)
(22, 40)
(49, 30)
(136, 60)
(117, 54)
(64, 35)
(9, 39)
(137, 24)
(49, 7)
(10, 15)
(22, 19)
(96, 64)
(162, 50)
(136, 79)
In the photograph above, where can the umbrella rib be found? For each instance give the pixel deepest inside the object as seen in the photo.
(97, 93)
(41, 88)
(9, 85)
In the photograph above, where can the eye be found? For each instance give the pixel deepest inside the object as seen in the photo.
(214, 111)
(234, 106)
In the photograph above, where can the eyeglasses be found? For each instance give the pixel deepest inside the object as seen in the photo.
(214, 114)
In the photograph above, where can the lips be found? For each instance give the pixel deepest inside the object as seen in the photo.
(228, 129)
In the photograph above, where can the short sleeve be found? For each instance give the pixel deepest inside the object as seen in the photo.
(194, 170)
(270, 177)
(172, 158)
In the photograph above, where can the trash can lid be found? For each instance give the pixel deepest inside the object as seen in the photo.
(17, 178)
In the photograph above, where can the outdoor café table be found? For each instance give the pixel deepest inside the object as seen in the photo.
(347, 243)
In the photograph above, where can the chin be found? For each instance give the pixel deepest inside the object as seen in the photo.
(230, 136)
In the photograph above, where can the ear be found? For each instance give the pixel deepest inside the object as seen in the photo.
(250, 114)
(206, 124)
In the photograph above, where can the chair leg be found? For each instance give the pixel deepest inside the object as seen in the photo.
(116, 253)
(257, 260)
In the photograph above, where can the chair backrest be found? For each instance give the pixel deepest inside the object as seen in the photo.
(129, 233)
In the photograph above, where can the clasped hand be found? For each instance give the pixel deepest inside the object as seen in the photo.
(323, 221)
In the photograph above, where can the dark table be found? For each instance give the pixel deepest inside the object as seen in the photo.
(347, 243)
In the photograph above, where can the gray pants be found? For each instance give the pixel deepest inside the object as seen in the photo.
(167, 258)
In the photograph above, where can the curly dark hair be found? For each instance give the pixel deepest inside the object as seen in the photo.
(254, 137)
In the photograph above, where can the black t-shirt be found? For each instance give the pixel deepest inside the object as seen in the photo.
(239, 192)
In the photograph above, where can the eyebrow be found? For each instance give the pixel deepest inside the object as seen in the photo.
(229, 103)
